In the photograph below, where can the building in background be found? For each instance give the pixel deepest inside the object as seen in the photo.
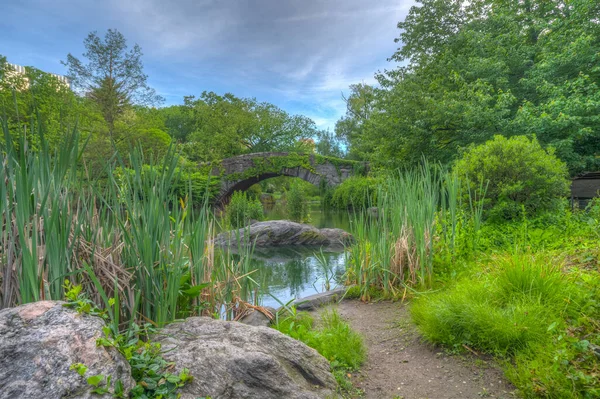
(21, 70)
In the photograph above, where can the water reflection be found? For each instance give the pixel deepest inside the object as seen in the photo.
(286, 273)
(295, 272)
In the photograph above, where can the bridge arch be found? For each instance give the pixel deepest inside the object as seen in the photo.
(240, 172)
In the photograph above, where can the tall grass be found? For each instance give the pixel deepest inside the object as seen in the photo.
(126, 236)
(506, 310)
(395, 247)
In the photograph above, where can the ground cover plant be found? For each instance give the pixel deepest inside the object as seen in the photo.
(331, 337)
(511, 277)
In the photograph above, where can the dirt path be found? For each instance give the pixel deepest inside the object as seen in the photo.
(400, 366)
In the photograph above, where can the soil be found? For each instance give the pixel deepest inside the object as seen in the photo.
(400, 365)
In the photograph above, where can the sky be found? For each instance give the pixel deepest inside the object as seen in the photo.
(300, 55)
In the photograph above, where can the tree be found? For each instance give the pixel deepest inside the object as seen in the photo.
(481, 68)
(328, 144)
(32, 101)
(220, 126)
(350, 129)
(113, 77)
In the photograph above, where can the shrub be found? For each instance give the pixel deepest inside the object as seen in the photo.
(297, 203)
(254, 191)
(503, 311)
(241, 210)
(519, 175)
(355, 192)
(334, 339)
(195, 186)
(526, 309)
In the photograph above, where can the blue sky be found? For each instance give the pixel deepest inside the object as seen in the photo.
(298, 54)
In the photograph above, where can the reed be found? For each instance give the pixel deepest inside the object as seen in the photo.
(126, 237)
(395, 246)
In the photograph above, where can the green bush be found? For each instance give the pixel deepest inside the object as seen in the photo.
(355, 192)
(502, 311)
(334, 339)
(516, 174)
(297, 203)
(525, 309)
(241, 210)
(193, 186)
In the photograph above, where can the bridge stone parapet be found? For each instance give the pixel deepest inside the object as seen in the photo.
(240, 172)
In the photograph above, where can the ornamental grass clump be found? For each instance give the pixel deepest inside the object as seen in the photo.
(503, 310)
(129, 236)
(417, 213)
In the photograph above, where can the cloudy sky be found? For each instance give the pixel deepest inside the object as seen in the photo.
(298, 54)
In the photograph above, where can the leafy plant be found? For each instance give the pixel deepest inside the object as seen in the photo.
(519, 175)
(148, 368)
(241, 210)
(297, 203)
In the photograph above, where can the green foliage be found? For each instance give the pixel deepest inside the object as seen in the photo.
(148, 368)
(356, 193)
(62, 223)
(113, 78)
(416, 209)
(518, 174)
(242, 209)
(458, 84)
(333, 338)
(297, 203)
(525, 308)
(193, 186)
(214, 127)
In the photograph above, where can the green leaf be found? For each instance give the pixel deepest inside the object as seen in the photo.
(95, 380)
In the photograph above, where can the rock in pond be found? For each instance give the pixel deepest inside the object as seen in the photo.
(234, 361)
(315, 301)
(284, 233)
(38, 344)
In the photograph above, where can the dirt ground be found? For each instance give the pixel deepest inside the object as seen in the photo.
(400, 366)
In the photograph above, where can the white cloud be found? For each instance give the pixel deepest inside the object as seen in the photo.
(299, 54)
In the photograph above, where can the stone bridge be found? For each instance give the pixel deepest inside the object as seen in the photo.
(240, 172)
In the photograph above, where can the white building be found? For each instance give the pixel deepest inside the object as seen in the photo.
(22, 71)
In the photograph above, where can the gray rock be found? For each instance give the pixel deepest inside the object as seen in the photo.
(257, 318)
(40, 341)
(233, 360)
(315, 301)
(284, 233)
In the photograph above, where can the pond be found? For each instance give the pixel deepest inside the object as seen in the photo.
(286, 273)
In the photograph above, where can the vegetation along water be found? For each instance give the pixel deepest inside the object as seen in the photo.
(452, 174)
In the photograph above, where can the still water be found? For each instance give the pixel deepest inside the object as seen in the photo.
(286, 273)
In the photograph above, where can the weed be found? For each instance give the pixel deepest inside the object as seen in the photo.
(333, 339)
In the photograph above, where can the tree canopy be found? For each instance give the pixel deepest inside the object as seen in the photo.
(112, 77)
(215, 126)
(475, 69)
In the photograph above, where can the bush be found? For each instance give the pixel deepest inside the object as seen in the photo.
(193, 186)
(527, 310)
(297, 203)
(334, 339)
(519, 175)
(355, 192)
(504, 311)
(241, 210)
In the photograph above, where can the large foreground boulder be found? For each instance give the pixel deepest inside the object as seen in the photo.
(284, 233)
(234, 361)
(38, 344)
